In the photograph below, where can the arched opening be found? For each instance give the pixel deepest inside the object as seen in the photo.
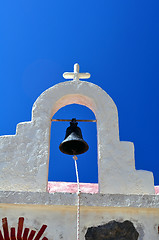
(61, 166)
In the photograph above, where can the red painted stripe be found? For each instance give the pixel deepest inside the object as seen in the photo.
(1, 237)
(32, 234)
(72, 187)
(12, 233)
(45, 238)
(25, 234)
(5, 228)
(20, 228)
(41, 231)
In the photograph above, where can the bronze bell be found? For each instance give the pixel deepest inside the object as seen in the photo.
(73, 144)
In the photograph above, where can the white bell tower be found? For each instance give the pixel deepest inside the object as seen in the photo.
(125, 197)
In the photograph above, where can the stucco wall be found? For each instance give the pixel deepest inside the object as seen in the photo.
(61, 220)
(24, 157)
(58, 211)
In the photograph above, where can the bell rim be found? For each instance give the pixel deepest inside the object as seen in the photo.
(75, 140)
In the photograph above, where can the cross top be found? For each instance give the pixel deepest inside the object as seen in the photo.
(76, 75)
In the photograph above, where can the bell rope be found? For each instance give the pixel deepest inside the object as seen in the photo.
(78, 199)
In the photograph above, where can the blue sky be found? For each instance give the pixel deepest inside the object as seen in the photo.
(116, 41)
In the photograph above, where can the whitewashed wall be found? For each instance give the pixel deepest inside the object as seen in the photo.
(24, 157)
(61, 220)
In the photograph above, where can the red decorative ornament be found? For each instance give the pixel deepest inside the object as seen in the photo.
(27, 234)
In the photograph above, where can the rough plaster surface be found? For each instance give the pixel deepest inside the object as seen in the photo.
(24, 157)
(88, 200)
(61, 220)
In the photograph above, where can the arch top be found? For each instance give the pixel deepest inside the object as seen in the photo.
(78, 92)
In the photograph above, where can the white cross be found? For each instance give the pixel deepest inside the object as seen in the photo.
(76, 75)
